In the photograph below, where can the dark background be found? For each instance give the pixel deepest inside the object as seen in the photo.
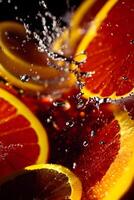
(31, 7)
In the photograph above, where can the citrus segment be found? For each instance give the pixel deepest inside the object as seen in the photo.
(20, 58)
(119, 176)
(45, 181)
(23, 140)
(96, 141)
(109, 47)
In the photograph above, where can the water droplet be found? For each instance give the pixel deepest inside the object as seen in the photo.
(132, 41)
(49, 119)
(74, 165)
(66, 150)
(58, 104)
(87, 74)
(25, 78)
(124, 78)
(15, 7)
(93, 133)
(80, 104)
(85, 143)
(102, 142)
(70, 123)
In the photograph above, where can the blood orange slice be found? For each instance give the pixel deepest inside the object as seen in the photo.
(106, 165)
(96, 140)
(79, 23)
(23, 140)
(110, 51)
(45, 181)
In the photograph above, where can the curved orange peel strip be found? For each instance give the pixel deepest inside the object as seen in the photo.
(87, 94)
(69, 35)
(10, 61)
(12, 79)
(74, 182)
(100, 17)
(120, 175)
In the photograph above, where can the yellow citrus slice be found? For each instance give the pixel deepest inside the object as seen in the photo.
(20, 58)
(45, 181)
(23, 140)
(109, 48)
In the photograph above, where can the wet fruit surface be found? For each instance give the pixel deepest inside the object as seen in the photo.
(110, 54)
(86, 136)
(81, 136)
(94, 137)
(21, 142)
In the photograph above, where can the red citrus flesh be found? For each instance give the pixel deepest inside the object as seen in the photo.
(21, 142)
(110, 54)
(96, 143)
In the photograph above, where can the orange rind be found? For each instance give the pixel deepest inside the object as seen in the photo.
(109, 49)
(19, 57)
(41, 182)
(23, 140)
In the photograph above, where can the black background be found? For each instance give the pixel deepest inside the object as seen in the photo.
(31, 7)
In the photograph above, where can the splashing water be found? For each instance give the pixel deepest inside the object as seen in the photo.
(48, 29)
(51, 31)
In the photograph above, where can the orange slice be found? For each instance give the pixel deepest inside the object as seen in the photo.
(19, 57)
(79, 23)
(23, 140)
(105, 166)
(110, 51)
(96, 141)
(120, 175)
(45, 181)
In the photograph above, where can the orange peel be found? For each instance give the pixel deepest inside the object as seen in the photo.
(21, 129)
(61, 183)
